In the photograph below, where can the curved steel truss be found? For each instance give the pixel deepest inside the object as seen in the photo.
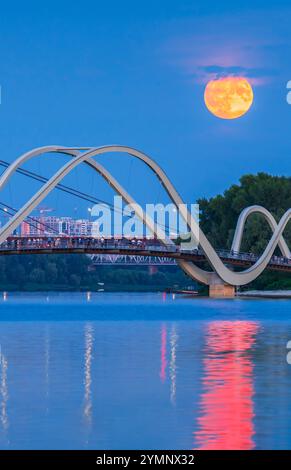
(86, 155)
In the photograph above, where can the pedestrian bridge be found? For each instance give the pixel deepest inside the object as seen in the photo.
(221, 278)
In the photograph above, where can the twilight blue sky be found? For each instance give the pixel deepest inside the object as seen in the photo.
(133, 72)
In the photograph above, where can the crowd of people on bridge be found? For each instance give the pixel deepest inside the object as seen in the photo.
(89, 243)
(30, 243)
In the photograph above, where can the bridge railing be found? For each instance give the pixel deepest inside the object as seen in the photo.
(245, 256)
(81, 242)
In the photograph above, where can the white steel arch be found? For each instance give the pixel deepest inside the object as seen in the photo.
(237, 239)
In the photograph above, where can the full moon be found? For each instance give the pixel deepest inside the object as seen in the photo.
(228, 97)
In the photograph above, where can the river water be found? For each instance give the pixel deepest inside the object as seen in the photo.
(143, 371)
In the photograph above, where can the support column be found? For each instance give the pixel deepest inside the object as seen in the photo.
(218, 289)
(221, 291)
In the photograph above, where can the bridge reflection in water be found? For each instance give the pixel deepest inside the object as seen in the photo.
(227, 409)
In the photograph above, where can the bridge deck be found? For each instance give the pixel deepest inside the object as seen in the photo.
(24, 246)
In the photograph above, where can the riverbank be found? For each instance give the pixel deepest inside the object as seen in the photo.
(266, 294)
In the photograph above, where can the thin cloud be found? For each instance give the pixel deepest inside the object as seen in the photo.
(257, 76)
(245, 45)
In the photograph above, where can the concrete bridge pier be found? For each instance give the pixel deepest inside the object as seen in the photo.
(220, 290)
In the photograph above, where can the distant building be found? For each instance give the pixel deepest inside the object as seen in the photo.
(81, 227)
(25, 229)
(53, 226)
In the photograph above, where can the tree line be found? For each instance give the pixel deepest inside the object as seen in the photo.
(219, 215)
(74, 272)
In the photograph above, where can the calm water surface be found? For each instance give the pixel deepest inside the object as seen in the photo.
(125, 371)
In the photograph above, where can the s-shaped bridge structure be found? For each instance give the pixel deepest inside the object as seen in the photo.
(221, 279)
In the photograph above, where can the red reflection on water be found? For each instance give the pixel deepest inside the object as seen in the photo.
(163, 353)
(227, 402)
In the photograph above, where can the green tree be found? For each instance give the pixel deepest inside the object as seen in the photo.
(51, 273)
(3, 276)
(75, 280)
(37, 276)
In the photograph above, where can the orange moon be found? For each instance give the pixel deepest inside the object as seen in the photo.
(228, 97)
